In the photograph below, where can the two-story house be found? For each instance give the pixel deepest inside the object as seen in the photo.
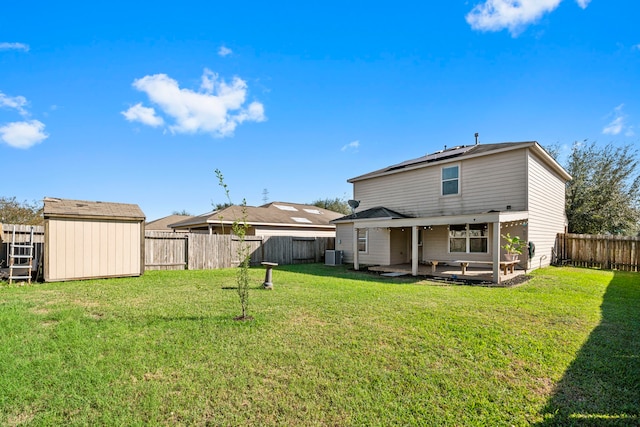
(456, 204)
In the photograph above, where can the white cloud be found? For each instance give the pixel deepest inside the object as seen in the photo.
(353, 145)
(144, 115)
(217, 109)
(617, 124)
(208, 80)
(224, 51)
(614, 127)
(16, 102)
(583, 3)
(514, 15)
(14, 46)
(23, 134)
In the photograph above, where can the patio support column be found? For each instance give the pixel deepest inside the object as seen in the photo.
(414, 250)
(496, 252)
(356, 261)
(210, 229)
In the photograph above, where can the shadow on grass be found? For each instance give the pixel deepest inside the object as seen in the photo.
(344, 272)
(601, 387)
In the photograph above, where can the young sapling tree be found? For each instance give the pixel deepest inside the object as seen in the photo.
(239, 229)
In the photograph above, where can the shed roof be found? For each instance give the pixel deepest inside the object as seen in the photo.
(274, 214)
(54, 207)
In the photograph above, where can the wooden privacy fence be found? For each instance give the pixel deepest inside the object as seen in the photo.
(598, 251)
(195, 251)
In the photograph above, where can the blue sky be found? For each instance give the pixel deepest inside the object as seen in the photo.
(139, 102)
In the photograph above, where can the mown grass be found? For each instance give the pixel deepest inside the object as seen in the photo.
(328, 346)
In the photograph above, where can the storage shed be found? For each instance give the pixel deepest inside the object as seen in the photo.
(88, 240)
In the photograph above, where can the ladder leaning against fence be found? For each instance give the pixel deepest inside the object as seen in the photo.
(20, 258)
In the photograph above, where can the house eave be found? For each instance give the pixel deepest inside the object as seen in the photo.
(343, 221)
(479, 218)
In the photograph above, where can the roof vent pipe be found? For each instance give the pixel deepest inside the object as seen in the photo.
(477, 135)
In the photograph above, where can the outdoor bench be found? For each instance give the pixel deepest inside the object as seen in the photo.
(506, 266)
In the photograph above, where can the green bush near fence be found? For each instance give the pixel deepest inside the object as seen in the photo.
(327, 346)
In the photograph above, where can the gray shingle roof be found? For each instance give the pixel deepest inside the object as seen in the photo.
(447, 154)
(275, 213)
(54, 207)
(373, 213)
(162, 224)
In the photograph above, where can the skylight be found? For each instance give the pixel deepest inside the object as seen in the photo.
(286, 208)
(298, 219)
(313, 211)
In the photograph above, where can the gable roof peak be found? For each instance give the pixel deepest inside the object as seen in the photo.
(447, 154)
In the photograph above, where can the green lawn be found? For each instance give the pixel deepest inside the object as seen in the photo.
(326, 347)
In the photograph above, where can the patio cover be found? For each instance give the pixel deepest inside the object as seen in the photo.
(497, 218)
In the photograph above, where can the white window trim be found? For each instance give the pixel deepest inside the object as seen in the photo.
(468, 242)
(366, 240)
(452, 165)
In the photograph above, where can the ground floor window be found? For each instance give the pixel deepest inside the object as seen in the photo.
(468, 238)
(363, 235)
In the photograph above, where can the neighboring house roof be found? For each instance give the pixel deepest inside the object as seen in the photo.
(162, 224)
(378, 212)
(271, 214)
(54, 207)
(464, 152)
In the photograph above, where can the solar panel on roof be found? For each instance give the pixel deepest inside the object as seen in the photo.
(438, 155)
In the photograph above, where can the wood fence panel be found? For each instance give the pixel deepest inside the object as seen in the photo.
(212, 251)
(165, 250)
(278, 249)
(598, 251)
(209, 251)
(255, 244)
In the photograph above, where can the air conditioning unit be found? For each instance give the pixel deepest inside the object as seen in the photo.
(332, 257)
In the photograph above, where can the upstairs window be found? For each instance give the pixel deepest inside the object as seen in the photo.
(451, 180)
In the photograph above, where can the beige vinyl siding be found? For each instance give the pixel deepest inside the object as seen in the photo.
(344, 241)
(80, 249)
(377, 245)
(486, 183)
(377, 248)
(546, 209)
